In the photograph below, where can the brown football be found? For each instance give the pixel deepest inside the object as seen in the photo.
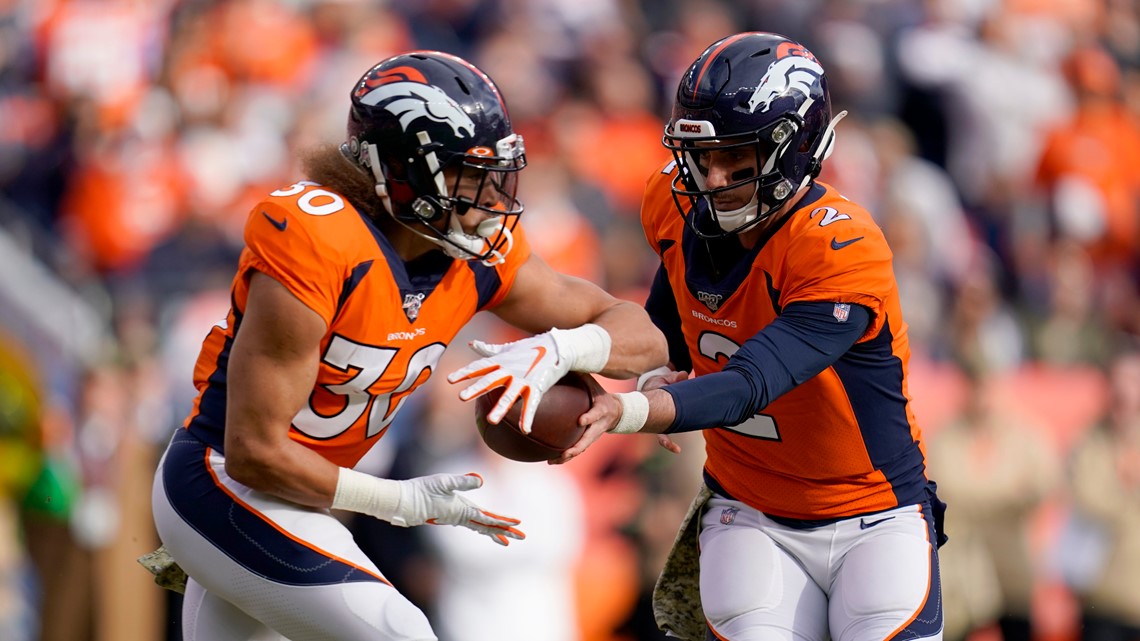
(555, 426)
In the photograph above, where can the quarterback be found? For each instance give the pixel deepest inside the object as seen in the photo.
(349, 288)
(817, 520)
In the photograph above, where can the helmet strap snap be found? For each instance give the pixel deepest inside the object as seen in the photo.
(423, 209)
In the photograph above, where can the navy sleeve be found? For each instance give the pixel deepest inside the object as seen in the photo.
(662, 309)
(803, 341)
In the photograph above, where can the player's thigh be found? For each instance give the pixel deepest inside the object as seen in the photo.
(297, 570)
(207, 617)
(887, 585)
(751, 588)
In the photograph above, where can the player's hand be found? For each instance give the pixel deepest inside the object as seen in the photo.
(434, 500)
(661, 380)
(657, 382)
(526, 368)
(599, 419)
(664, 441)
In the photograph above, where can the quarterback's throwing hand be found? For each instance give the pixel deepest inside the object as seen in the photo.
(526, 368)
(433, 500)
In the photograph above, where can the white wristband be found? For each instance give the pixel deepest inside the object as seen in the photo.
(586, 348)
(634, 413)
(367, 494)
(660, 371)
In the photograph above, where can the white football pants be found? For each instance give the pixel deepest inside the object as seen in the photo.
(867, 578)
(263, 569)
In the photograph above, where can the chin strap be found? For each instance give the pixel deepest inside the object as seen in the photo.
(733, 220)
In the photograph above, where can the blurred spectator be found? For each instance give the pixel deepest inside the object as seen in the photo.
(1103, 551)
(614, 139)
(984, 332)
(122, 199)
(995, 469)
(1090, 165)
(561, 234)
(923, 220)
(1069, 331)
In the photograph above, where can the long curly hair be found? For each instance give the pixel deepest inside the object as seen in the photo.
(325, 164)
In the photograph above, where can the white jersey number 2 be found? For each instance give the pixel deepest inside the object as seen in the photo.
(712, 345)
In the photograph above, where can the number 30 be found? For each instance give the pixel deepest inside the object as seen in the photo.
(333, 204)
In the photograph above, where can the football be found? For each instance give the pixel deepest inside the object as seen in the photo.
(555, 426)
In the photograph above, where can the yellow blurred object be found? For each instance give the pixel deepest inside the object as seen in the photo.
(19, 465)
(20, 411)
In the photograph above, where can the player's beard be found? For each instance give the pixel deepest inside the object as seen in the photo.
(325, 164)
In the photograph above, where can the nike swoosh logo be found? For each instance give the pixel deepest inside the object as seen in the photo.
(835, 244)
(284, 222)
(865, 524)
(541, 353)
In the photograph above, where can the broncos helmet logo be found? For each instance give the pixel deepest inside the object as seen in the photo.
(410, 101)
(792, 73)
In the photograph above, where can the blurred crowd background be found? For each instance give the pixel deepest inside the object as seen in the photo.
(996, 141)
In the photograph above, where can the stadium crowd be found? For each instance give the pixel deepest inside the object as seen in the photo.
(996, 141)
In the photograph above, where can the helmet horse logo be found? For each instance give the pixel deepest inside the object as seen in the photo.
(410, 101)
(790, 73)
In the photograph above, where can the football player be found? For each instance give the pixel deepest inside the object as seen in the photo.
(349, 288)
(818, 520)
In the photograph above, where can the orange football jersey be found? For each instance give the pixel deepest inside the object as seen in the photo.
(388, 322)
(844, 442)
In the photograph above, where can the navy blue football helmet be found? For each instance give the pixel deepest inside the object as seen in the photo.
(416, 115)
(755, 91)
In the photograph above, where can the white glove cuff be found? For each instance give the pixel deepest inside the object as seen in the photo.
(367, 494)
(586, 348)
(660, 371)
(634, 413)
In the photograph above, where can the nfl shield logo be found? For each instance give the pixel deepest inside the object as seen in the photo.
(412, 303)
(841, 312)
(729, 515)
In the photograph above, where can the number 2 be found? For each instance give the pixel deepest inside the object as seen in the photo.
(712, 345)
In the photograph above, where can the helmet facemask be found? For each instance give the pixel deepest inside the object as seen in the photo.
(447, 186)
(777, 148)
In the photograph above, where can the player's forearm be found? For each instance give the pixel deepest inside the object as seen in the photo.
(648, 412)
(637, 345)
(662, 412)
(285, 469)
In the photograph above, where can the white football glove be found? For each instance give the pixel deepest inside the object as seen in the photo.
(529, 367)
(426, 499)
